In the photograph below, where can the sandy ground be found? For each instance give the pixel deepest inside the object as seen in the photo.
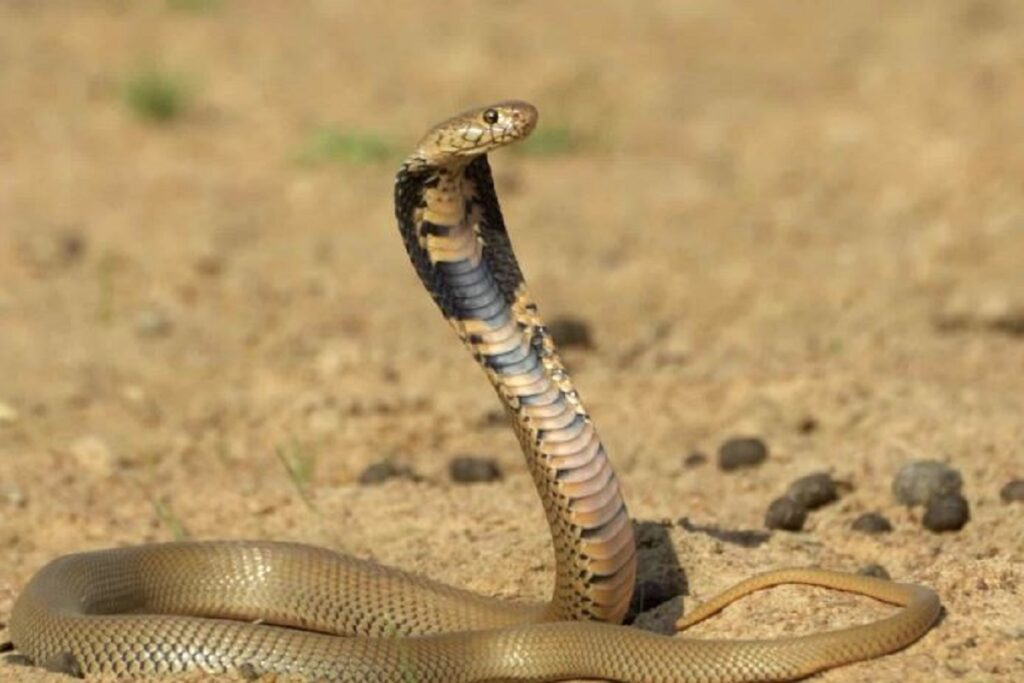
(766, 212)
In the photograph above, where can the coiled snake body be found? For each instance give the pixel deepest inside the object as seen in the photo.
(178, 606)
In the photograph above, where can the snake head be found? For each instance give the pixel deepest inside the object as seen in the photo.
(456, 141)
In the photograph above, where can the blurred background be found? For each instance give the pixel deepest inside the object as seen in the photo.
(762, 216)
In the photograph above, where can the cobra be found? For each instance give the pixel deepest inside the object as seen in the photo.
(260, 606)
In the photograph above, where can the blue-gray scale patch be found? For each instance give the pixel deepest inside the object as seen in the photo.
(509, 357)
(537, 399)
(480, 300)
(474, 292)
(453, 268)
(520, 367)
(469, 278)
(474, 289)
(498, 320)
(576, 422)
(489, 309)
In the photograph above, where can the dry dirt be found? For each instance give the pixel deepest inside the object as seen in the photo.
(766, 212)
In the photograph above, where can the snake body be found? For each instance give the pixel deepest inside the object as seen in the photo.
(256, 606)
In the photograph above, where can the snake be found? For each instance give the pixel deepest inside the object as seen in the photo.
(264, 607)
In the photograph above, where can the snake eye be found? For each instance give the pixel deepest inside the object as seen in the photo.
(491, 116)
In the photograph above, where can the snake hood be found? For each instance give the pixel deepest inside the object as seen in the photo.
(459, 139)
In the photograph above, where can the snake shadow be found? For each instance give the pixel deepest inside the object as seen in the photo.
(661, 581)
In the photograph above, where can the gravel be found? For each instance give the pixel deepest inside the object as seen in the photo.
(872, 523)
(471, 469)
(918, 482)
(786, 514)
(1013, 491)
(949, 512)
(814, 490)
(742, 452)
(383, 470)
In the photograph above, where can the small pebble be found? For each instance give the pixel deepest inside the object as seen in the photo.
(144, 406)
(875, 570)
(807, 425)
(468, 469)
(12, 495)
(920, 481)
(152, 323)
(92, 453)
(70, 245)
(209, 264)
(8, 414)
(383, 470)
(695, 459)
(1013, 491)
(741, 452)
(786, 514)
(571, 332)
(324, 421)
(814, 490)
(872, 523)
(336, 356)
(949, 512)
(50, 251)
(1010, 323)
(957, 666)
(493, 418)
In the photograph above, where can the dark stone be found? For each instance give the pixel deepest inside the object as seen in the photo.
(1013, 491)
(875, 570)
(493, 418)
(209, 265)
(383, 470)
(569, 332)
(918, 482)
(1011, 323)
(948, 512)
(741, 452)
(807, 425)
(695, 459)
(469, 469)
(872, 523)
(49, 251)
(814, 490)
(70, 246)
(786, 514)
